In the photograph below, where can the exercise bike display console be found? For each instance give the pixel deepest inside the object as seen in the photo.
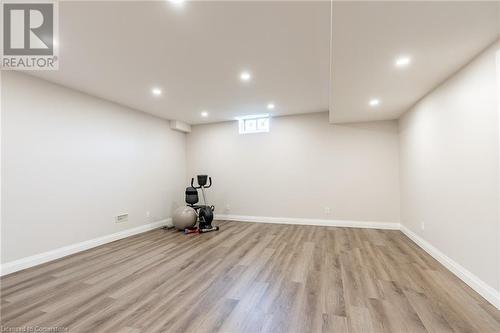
(205, 212)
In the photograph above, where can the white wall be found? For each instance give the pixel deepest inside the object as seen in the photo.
(449, 149)
(71, 162)
(302, 166)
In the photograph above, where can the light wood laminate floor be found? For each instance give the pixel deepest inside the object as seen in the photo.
(248, 278)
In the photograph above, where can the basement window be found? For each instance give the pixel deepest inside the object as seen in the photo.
(253, 124)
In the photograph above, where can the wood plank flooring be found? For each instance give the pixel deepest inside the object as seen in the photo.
(248, 277)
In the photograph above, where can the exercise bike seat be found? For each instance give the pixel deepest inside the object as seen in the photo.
(192, 196)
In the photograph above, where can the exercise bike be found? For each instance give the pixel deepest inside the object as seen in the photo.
(204, 212)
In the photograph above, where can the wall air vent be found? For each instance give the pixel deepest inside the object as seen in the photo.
(121, 218)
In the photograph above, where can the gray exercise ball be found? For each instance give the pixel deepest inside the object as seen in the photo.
(184, 217)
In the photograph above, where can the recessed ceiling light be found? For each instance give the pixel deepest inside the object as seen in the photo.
(177, 2)
(204, 114)
(270, 106)
(156, 91)
(374, 102)
(245, 76)
(403, 61)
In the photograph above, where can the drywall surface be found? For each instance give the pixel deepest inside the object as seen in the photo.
(449, 162)
(72, 162)
(303, 168)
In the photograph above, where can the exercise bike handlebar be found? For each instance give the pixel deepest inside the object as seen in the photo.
(207, 186)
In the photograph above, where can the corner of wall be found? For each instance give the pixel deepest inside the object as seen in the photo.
(400, 121)
(498, 120)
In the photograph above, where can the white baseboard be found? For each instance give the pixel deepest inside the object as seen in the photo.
(304, 221)
(44, 257)
(482, 288)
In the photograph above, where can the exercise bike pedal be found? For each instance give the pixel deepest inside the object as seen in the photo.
(203, 230)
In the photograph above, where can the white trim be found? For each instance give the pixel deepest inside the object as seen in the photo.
(498, 166)
(44, 257)
(482, 288)
(305, 221)
(489, 293)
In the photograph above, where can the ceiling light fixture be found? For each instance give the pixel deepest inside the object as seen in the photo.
(204, 114)
(403, 61)
(177, 2)
(374, 102)
(156, 91)
(245, 76)
(270, 106)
